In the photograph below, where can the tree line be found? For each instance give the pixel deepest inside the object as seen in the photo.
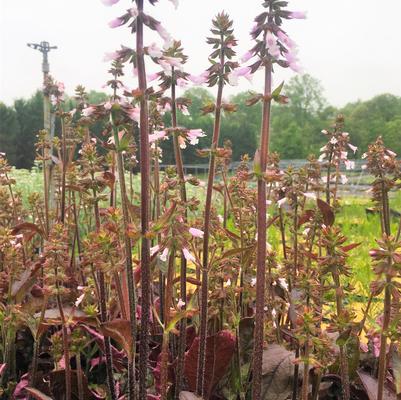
(296, 127)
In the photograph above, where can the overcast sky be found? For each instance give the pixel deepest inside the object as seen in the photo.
(352, 46)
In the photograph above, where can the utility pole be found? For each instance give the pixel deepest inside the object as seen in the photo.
(48, 118)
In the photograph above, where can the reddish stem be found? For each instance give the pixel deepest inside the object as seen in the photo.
(261, 246)
(145, 205)
(205, 260)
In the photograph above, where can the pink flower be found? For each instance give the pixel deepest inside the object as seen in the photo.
(180, 303)
(88, 111)
(283, 283)
(165, 108)
(291, 56)
(254, 29)
(164, 255)
(133, 11)
(157, 136)
(344, 179)
(196, 232)
(154, 51)
(182, 83)
(234, 75)
(247, 56)
(271, 44)
(292, 59)
(115, 23)
(110, 2)
(174, 62)
(111, 56)
(184, 109)
(134, 113)
(352, 147)
(181, 142)
(175, 3)
(188, 256)
(199, 79)
(286, 40)
(152, 77)
(60, 87)
(165, 65)
(281, 202)
(164, 35)
(193, 136)
(349, 164)
(108, 105)
(297, 15)
(79, 300)
(154, 250)
(295, 67)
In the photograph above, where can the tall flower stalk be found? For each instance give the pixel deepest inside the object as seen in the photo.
(176, 52)
(273, 46)
(218, 74)
(383, 165)
(145, 203)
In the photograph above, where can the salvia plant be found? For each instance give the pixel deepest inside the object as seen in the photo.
(119, 284)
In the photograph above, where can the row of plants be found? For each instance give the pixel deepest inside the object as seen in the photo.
(109, 291)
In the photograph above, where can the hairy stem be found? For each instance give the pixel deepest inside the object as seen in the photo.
(145, 203)
(261, 245)
(164, 353)
(205, 255)
(183, 261)
(128, 271)
(103, 309)
(387, 301)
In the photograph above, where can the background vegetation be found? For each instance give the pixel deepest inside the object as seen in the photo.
(295, 128)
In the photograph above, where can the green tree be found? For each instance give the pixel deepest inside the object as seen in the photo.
(30, 120)
(296, 127)
(9, 131)
(242, 127)
(365, 120)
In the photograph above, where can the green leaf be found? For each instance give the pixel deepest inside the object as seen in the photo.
(257, 169)
(178, 317)
(276, 92)
(124, 142)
